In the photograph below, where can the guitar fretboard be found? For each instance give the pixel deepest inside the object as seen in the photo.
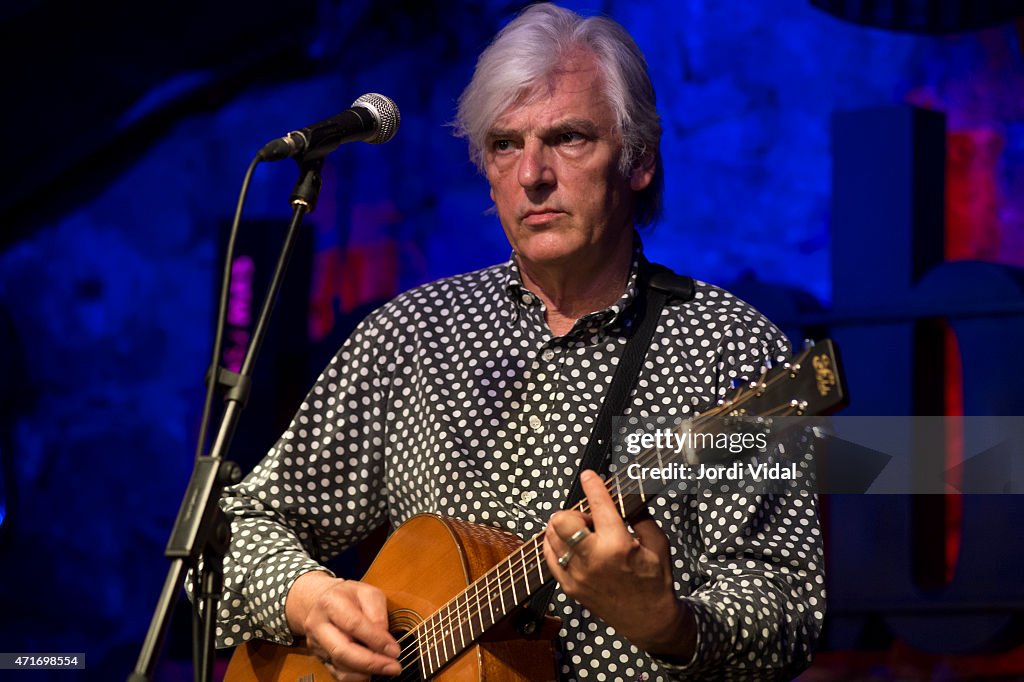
(485, 602)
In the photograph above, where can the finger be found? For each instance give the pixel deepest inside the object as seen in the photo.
(568, 522)
(362, 616)
(350, 657)
(603, 511)
(556, 546)
(338, 639)
(563, 527)
(374, 604)
(651, 536)
(368, 644)
(551, 555)
(359, 612)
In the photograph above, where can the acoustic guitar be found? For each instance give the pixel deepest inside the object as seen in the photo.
(453, 587)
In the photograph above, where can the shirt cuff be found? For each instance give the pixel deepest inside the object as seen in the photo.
(267, 591)
(701, 618)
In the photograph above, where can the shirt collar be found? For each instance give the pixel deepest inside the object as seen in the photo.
(520, 297)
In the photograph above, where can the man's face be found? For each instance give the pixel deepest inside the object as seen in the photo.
(553, 169)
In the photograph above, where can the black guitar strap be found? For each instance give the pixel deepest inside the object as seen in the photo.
(657, 286)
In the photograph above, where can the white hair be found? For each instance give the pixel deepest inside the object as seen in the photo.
(533, 46)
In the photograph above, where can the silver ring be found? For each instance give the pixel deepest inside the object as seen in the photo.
(564, 560)
(577, 537)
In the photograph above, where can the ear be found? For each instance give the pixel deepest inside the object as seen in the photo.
(643, 172)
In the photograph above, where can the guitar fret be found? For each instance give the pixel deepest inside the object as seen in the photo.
(486, 599)
(424, 654)
(453, 629)
(640, 484)
(454, 625)
(466, 619)
(450, 635)
(444, 641)
(512, 603)
(438, 641)
(429, 644)
(515, 599)
(527, 587)
(479, 611)
(526, 570)
(490, 602)
(435, 650)
(462, 634)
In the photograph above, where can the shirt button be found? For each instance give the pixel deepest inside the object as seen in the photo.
(547, 355)
(527, 497)
(527, 299)
(535, 423)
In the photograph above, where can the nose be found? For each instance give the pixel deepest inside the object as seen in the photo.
(535, 170)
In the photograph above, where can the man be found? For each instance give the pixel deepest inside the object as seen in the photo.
(475, 396)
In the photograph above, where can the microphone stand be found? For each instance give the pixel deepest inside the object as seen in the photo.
(201, 528)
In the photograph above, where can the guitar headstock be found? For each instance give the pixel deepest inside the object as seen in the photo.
(810, 383)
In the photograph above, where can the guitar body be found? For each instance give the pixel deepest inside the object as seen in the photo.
(425, 563)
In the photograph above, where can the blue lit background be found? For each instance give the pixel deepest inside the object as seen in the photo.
(134, 132)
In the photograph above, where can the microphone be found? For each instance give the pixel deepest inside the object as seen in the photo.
(372, 118)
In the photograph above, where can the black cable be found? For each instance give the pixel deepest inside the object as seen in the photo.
(213, 375)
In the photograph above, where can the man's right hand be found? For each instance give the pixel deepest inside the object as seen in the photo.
(345, 623)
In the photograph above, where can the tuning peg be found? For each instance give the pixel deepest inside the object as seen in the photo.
(808, 344)
(734, 383)
(768, 364)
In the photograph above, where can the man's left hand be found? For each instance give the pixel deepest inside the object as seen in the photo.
(625, 580)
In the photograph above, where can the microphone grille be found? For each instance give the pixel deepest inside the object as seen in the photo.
(385, 111)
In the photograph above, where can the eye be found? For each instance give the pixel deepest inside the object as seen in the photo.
(501, 146)
(571, 137)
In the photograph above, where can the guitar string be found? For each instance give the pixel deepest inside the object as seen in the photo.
(465, 608)
(432, 632)
(435, 629)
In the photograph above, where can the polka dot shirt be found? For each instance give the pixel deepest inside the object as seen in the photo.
(455, 399)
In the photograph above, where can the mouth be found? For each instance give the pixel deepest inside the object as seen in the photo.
(541, 216)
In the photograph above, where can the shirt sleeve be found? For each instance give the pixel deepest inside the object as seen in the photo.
(760, 600)
(319, 490)
(760, 612)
